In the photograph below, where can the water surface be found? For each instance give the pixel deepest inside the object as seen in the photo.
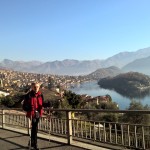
(93, 89)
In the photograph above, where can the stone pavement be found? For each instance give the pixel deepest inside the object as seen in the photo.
(17, 139)
(10, 140)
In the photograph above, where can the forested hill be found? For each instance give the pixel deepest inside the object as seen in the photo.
(128, 84)
(104, 72)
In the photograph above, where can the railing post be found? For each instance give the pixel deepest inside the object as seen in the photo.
(3, 118)
(94, 130)
(135, 133)
(129, 141)
(28, 126)
(69, 127)
(143, 137)
(122, 137)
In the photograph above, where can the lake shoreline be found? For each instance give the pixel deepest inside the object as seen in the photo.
(92, 88)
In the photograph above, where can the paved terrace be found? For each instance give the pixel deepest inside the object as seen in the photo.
(13, 133)
(12, 140)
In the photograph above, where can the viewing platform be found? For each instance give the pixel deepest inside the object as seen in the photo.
(10, 140)
(69, 132)
(13, 140)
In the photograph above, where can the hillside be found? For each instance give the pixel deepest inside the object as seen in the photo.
(123, 58)
(69, 67)
(104, 72)
(131, 84)
(139, 65)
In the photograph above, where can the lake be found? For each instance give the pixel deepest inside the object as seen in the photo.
(93, 89)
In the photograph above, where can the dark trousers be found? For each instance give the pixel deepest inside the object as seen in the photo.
(34, 131)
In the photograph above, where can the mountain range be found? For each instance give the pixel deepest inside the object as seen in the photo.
(126, 61)
(139, 65)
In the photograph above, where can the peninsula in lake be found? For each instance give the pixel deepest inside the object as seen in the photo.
(131, 84)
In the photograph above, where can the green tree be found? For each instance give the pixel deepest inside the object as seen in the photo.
(8, 101)
(110, 99)
(72, 98)
(50, 83)
(137, 118)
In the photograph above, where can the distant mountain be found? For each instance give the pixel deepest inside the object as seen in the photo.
(105, 72)
(75, 67)
(65, 67)
(123, 58)
(68, 67)
(19, 65)
(139, 65)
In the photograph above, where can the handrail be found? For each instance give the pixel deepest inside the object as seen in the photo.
(104, 110)
(90, 110)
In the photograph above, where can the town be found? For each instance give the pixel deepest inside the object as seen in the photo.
(14, 81)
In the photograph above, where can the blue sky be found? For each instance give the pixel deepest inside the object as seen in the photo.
(48, 30)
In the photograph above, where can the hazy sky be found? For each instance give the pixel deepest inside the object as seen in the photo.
(49, 30)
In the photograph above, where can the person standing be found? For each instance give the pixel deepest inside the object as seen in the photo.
(33, 105)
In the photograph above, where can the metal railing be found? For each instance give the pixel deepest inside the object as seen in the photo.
(135, 136)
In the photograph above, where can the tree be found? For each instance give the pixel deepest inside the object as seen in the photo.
(8, 101)
(110, 99)
(72, 98)
(12, 100)
(50, 83)
(137, 118)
